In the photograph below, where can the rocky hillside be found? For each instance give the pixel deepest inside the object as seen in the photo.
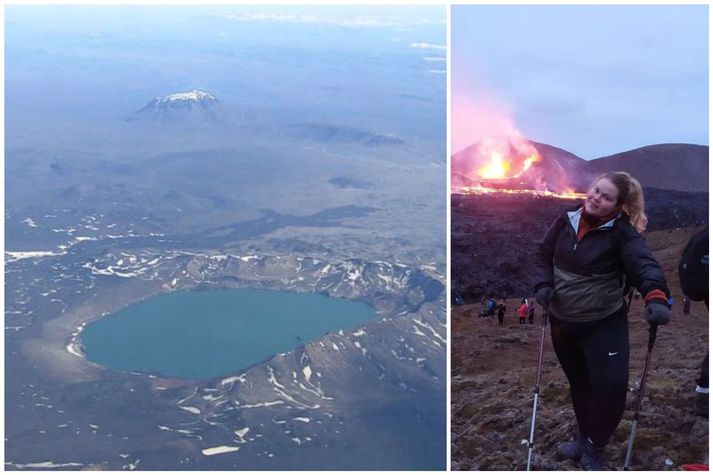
(666, 166)
(493, 377)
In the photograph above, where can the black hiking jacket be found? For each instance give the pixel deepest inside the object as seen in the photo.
(589, 276)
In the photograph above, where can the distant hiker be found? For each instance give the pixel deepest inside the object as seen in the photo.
(686, 306)
(522, 311)
(457, 299)
(531, 313)
(693, 268)
(693, 275)
(580, 266)
(502, 308)
(492, 303)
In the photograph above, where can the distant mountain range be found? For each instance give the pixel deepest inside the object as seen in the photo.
(327, 134)
(681, 167)
(201, 109)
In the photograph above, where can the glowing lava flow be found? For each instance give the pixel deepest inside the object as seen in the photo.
(496, 168)
(482, 190)
(528, 163)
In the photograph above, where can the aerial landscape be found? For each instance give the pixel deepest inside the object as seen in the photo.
(168, 168)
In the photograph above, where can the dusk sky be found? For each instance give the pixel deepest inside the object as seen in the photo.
(593, 80)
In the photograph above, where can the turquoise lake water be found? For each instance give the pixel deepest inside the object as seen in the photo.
(204, 334)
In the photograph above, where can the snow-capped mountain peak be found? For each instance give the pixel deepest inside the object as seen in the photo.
(192, 107)
(192, 95)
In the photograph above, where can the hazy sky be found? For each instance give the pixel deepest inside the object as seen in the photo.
(594, 80)
(372, 67)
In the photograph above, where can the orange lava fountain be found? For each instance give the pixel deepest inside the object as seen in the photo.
(496, 168)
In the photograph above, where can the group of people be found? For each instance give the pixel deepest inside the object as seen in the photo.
(525, 312)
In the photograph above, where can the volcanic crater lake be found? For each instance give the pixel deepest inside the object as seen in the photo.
(205, 334)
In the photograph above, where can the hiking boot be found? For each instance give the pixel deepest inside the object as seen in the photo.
(594, 459)
(571, 450)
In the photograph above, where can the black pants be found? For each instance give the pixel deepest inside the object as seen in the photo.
(595, 359)
(501, 317)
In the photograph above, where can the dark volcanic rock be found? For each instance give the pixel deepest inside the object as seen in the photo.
(494, 236)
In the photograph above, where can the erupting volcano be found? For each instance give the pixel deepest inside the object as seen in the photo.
(519, 166)
(515, 166)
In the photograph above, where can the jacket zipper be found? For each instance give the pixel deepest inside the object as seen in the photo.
(591, 230)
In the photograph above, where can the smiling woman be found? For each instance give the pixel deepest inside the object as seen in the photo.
(205, 334)
(583, 264)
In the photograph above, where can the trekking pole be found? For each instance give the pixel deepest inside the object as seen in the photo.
(537, 388)
(635, 422)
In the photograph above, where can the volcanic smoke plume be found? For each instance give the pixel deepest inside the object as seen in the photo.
(500, 158)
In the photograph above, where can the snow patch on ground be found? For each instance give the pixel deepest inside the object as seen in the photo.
(222, 449)
(44, 465)
(73, 348)
(241, 434)
(11, 256)
(262, 404)
(233, 379)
